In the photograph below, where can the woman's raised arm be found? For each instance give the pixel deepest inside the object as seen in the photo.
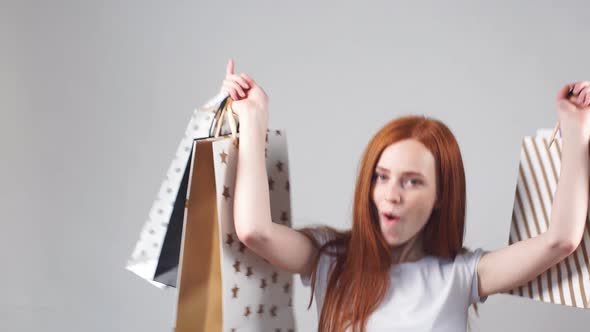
(516, 264)
(282, 246)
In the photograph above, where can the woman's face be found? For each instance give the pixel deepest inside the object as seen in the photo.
(405, 188)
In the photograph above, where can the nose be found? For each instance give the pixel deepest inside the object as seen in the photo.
(394, 195)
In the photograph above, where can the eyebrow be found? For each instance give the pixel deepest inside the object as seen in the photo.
(383, 169)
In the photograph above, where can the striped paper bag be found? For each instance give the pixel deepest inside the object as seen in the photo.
(567, 283)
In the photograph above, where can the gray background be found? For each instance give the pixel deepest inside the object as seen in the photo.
(95, 97)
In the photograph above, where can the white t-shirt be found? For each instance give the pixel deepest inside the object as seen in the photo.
(431, 294)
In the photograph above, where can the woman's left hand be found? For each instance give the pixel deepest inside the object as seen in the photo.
(574, 110)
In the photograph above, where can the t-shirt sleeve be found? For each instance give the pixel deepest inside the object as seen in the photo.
(322, 236)
(469, 276)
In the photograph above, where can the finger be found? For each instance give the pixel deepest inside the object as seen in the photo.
(581, 95)
(579, 86)
(235, 86)
(229, 69)
(586, 100)
(248, 79)
(240, 80)
(230, 91)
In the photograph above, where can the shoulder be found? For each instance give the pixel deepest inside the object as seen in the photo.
(320, 235)
(458, 274)
(465, 268)
(470, 257)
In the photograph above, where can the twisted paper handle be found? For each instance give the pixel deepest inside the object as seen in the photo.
(228, 112)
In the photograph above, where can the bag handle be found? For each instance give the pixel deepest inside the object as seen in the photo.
(228, 112)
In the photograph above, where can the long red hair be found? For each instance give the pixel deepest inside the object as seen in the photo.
(360, 278)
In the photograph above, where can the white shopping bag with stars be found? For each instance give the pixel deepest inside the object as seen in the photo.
(222, 285)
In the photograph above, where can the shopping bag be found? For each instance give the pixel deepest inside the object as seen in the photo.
(155, 256)
(222, 284)
(189, 241)
(567, 283)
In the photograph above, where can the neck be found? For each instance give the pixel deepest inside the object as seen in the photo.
(410, 251)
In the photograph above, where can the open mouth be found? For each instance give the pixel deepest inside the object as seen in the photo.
(390, 217)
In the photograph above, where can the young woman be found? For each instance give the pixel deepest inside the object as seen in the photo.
(402, 265)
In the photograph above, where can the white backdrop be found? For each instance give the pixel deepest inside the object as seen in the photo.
(95, 96)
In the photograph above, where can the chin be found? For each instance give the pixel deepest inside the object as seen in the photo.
(395, 242)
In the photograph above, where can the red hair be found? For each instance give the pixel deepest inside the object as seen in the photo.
(360, 278)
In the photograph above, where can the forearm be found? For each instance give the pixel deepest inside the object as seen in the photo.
(252, 214)
(570, 205)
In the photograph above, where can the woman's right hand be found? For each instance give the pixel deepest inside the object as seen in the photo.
(249, 99)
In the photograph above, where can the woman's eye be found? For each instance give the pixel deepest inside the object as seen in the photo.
(380, 176)
(413, 181)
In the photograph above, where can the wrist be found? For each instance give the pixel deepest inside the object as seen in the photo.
(253, 122)
(578, 138)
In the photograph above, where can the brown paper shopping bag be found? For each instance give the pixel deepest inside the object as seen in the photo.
(567, 283)
(222, 285)
(199, 304)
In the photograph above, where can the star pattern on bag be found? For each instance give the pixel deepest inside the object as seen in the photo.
(249, 271)
(226, 192)
(247, 311)
(287, 185)
(273, 311)
(274, 277)
(279, 166)
(263, 283)
(271, 183)
(229, 240)
(235, 291)
(223, 156)
(237, 266)
(242, 248)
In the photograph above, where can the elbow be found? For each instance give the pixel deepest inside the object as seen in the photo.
(565, 247)
(249, 236)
